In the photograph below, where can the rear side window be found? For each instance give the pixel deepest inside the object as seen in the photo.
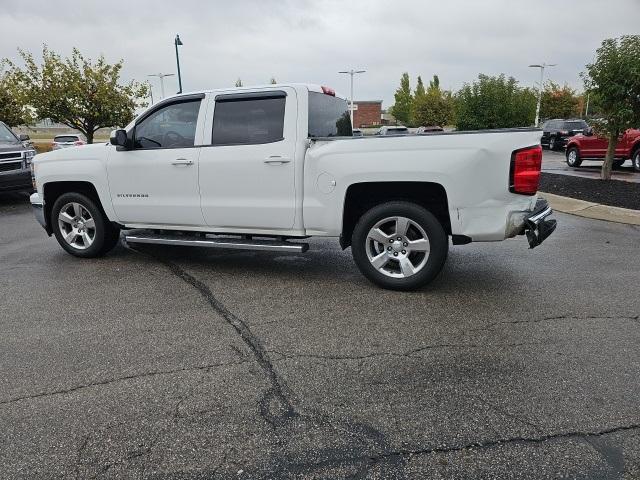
(248, 119)
(328, 116)
(575, 125)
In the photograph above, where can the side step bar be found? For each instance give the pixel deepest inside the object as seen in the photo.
(216, 242)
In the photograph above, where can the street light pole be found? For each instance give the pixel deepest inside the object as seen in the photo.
(178, 42)
(541, 67)
(161, 77)
(351, 73)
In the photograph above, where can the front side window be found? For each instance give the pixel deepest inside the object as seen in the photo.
(173, 126)
(248, 120)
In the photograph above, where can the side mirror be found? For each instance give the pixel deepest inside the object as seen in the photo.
(588, 132)
(119, 138)
(24, 137)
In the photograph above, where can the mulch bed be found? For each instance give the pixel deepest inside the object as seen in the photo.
(614, 192)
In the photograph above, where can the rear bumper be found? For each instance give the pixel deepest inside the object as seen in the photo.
(535, 224)
(537, 227)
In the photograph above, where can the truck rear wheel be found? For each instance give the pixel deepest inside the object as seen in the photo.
(399, 245)
(80, 226)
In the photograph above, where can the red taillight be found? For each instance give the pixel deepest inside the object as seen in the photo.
(328, 91)
(78, 142)
(525, 170)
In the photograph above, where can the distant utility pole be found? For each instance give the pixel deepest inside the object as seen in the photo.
(541, 67)
(161, 77)
(351, 73)
(150, 91)
(586, 110)
(177, 42)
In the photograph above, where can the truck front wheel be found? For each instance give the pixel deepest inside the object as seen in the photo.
(399, 245)
(80, 226)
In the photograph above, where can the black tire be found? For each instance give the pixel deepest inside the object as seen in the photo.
(573, 163)
(552, 143)
(635, 159)
(618, 163)
(105, 235)
(430, 264)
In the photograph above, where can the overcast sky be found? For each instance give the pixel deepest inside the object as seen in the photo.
(310, 41)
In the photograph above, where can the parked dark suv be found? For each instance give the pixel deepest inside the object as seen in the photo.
(15, 160)
(556, 132)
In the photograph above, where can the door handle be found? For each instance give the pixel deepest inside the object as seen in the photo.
(276, 160)
(182, 161)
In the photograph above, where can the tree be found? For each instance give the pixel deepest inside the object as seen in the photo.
(494, 102)
(419, 91)
(435, 83)
(238, 82)
(13, 109)
(559, 102)
(273, 81)
(433, 108)
(614, 79)
(402, 108)
(78, 92)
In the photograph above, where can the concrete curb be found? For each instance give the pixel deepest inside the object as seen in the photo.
(592, 210)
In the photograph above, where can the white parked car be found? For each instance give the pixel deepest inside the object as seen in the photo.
(267, 167)
(66, 141)
(392, 130)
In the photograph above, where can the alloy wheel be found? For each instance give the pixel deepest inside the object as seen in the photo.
(77, 226)
(397, 247)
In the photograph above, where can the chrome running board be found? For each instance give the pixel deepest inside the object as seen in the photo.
(216, 242)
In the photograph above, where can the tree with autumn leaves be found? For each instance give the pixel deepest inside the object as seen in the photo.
(78, 92)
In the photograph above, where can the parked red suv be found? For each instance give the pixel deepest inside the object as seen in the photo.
(593, 147)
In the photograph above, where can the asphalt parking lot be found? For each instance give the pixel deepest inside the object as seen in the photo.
(177, 363)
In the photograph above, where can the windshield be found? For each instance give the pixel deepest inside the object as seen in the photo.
(328, 116)
(575, 125)
(6, 135)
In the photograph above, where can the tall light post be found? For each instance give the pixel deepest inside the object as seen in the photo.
(351, 73)
(161, 77)
(177, 42)
(541, 67)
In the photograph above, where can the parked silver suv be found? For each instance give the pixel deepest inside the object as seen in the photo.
(66, 141)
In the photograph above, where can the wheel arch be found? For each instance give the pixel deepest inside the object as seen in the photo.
(53, 190)
(361, 197)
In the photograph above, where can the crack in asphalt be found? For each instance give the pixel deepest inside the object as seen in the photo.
(511, 440)
(409, 353)
(407, 453)
(633, 318)
(118, 379)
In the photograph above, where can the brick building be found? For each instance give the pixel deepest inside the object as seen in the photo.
(366, 113)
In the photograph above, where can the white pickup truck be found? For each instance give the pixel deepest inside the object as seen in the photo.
(266, 167)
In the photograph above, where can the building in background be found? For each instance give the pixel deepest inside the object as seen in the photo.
(367, 113)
